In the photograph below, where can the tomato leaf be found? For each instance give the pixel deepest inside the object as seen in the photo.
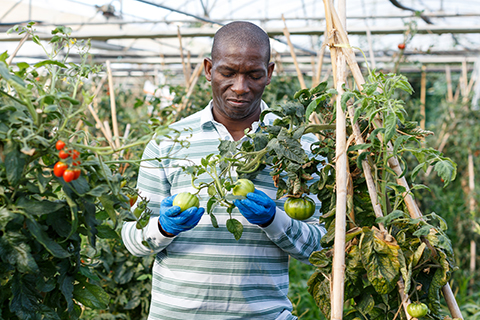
(381, 260)
(17, 252)
(213, 219)
(447, 170)
(54, 248)
(49, 62)
(25, 298)
(235, 227)
(91, 295)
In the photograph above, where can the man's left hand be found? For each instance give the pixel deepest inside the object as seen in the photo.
(257, 208)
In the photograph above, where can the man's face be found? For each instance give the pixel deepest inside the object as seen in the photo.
(238, 76)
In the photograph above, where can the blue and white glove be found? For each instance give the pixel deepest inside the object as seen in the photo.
(258, 208)
(173, 221)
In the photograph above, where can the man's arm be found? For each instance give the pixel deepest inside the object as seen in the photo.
(297, 238)
(153, 185)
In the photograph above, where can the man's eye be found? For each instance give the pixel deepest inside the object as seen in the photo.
(256, 76)
(226, 75)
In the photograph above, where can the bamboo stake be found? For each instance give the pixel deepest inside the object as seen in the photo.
(189, 65)
(370, 46)
(294, 56)
(195, 76)
(95, 115)
(187, 79)
(338, 269)
(457, 92)
(107, 130)
(321, 54)
(423, 96)
(449, 83)
(393, 161)
(113, 107)
(471, 187)
(278, 63)
(464, 79)
(20, 44)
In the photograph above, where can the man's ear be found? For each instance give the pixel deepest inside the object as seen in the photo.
(270, 68)
(207, 66)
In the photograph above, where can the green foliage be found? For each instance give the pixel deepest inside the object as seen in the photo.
(407, 245)
(58, 240)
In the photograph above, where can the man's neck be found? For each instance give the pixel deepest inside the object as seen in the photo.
(236, 128)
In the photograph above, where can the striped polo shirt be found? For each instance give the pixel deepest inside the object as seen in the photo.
(204, 273)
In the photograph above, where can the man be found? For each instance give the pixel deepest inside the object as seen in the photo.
(201, 272)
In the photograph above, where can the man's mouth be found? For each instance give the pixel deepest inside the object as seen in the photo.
(237, 101)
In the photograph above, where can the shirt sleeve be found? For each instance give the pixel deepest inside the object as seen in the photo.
(152, 184)
(297, 238)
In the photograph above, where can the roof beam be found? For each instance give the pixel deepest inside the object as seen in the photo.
(210, 32)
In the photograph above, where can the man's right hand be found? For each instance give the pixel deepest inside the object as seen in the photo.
(172, 221)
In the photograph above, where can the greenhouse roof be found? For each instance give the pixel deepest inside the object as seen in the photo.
(141, 32)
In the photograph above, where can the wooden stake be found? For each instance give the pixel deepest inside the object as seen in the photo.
(187, 78)
(189, 65)
(20, 44)
(423, 96)
(195, 76)
(95, 115)
(320, 54)
(471, 187)
(294, 56)
(449, 83)
(393, 161)
(370, 47)
(338, 271)
(113, 107)
(337, 288)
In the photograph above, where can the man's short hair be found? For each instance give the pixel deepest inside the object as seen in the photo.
(241, 32)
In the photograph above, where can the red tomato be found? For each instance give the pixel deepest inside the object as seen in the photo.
(63, 155)
(76, 173)
(401, 46)
(59, 168)
(75, 154)
(68, 175)
(132, 199)
(60, 145)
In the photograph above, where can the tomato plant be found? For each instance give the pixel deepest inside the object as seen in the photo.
(243, 187)
(417, 309)
(299, 208)
(186, 200)
(51, 231)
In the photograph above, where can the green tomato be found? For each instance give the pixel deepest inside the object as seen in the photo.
(299, 208)
(186, 200)
(137, 212)
(417, 309)
(243, 187)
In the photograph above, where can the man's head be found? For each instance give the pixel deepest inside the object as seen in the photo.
(242, 32)
(239, 70)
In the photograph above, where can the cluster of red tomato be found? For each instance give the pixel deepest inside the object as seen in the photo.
(62, 168)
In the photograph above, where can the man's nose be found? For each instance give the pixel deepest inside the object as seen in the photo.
(240, 84)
